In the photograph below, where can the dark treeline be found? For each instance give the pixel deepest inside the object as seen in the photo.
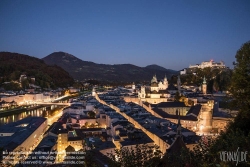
(13, 65)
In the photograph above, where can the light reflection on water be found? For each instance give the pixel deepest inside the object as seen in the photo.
(37, 112)
(40, 112)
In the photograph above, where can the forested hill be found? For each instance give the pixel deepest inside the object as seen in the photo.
(83, 70)
(13, 65)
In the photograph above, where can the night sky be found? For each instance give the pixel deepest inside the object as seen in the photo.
(167, 33)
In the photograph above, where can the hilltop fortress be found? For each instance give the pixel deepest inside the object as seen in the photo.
(211, 64)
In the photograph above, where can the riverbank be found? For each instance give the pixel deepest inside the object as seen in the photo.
(18, 110)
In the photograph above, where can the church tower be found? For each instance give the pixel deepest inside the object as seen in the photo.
(143, 92)
(179, 124)
(179, 84)
(154, 79)
(178, 145)
(93, 91)
(165, 82)
(204, 86)
(133, 86)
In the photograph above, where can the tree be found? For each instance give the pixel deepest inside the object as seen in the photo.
(83, 127)
(86, 124)
(91, 114)
(177, 96)
(91, 125)
(25, 83)
(240, 88)
(139, 156)
(15, 75)
(215, 86)
(190, 103)
(1, 156)
(90, 159)
(11, 86)
(77, 85)
(236, 135)
(225, 79)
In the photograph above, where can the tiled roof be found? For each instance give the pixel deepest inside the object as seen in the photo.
(194, 110)
(74, 139)
(122, 123)
(171, 87)
(166, 115)
(54, 128)
(171, 104)
(20, 133)
(177, 146)
(164, 91)
(143, 140)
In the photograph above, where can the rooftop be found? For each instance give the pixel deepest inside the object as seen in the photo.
(19, 132)
(171, 104)
(194, 110)
(166, 115)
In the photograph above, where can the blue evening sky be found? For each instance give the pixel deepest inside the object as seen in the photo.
(169, 33)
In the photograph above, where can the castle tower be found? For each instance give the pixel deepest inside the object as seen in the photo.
(204, 86)
(206, 117)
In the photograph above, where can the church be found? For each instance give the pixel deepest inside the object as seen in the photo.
(156, 92)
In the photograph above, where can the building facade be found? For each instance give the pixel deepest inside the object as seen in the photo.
(156, 92)
(210, 64)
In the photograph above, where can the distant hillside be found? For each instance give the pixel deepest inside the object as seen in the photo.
(156, 67)
(83, 70)
(12, 65)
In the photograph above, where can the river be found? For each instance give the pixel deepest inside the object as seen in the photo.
(38, 111)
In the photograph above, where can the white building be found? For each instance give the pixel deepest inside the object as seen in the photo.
(28, 98)
(156, 92)
(183, 72)
(210, 63)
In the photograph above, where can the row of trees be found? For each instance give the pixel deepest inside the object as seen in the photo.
(217, 79)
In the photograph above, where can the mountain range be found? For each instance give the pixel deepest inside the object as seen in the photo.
(13, 65)
(85, 70)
